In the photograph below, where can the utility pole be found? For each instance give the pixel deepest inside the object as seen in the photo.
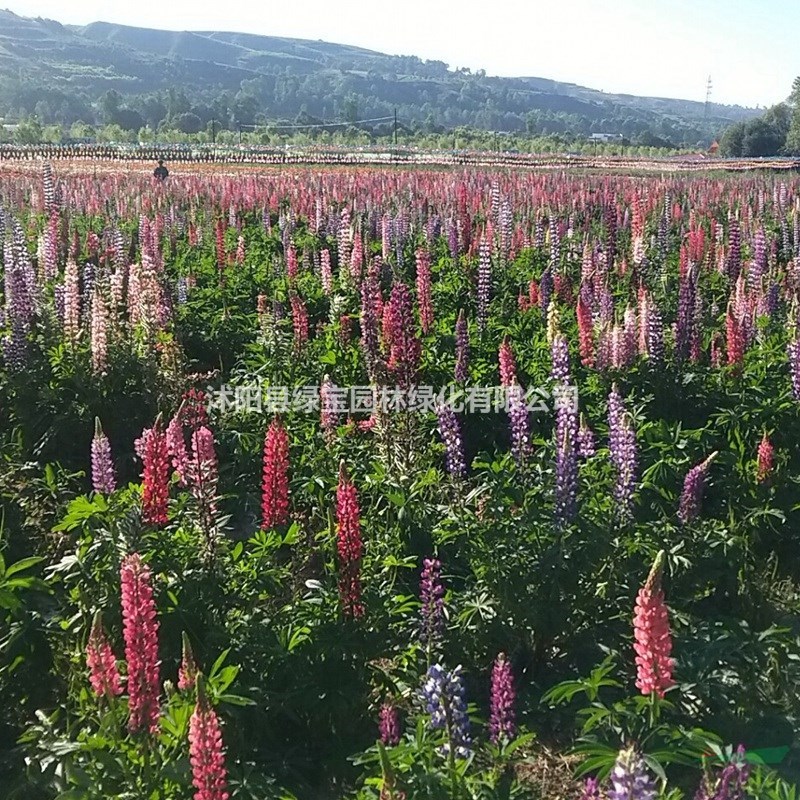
(395, 127)
(708, 97)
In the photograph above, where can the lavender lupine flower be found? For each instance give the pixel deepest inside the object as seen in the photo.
(431, 595)
(693, 488)
(484, 282)
(560, 359)
(103, 480)
(586, 442)
(502, 717)
(624, 454)
(389, 724)
(566, 501)
(450, 431)
(793, 351)
(630, 779)
(443, 693)
(462, 349)
(519, 423)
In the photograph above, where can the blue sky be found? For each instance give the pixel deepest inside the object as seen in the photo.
(654, 47)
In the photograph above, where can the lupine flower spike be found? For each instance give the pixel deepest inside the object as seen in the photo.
(652, 637)
(206, 754)
(103, 672)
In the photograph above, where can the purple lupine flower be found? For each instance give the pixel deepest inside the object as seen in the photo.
(103, 480)
(566, 501)
(586, 442)
(685, 324)
(734, 261)
(443, 693)
(591, 789)
(693, 488)
(519, 423)
(545, 290)
(462, 349)
(559, 350)
(730, 783)
(502, 717)
(793, 351)
(329, 410)
(624, 454)
(630, 779)
(389, 724)
(431, 595)
(450, 431)
(655, 333)
(484, 282)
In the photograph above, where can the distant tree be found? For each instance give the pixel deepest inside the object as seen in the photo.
(188, 122)
(761, 139)
(793, 135)
(28, 132)
(732, 142)
(128, 119)
(110, 104)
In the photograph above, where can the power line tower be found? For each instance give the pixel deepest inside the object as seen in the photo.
(709, 86)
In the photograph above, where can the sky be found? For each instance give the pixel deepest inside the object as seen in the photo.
(665, 48)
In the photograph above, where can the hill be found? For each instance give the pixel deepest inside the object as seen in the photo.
(104, 72)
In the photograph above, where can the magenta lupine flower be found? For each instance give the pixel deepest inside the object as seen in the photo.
(389, 724)
(431, 595)
(519, 423)
(299, 322)
(206, 753)
(140, 627)
(102, 664)
(176, 445)
(462, 349)
(103, 480)
(405, 349)
(502, 717)
(652, 637)
(450, 431)
(507, 362)
(424, 291)
(693, 488)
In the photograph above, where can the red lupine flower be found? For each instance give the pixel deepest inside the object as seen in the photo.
(155, 476)
(206, 754)
(348, 544)
(766, 459)
(508, 364)
(275, 484)
(653, 641)
(140, 626)
(103, 672)
(187, 672)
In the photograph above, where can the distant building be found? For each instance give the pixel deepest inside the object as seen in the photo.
(606, 137)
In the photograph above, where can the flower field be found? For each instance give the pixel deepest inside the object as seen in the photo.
(398, 483)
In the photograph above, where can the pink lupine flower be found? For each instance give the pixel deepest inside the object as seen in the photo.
(348, 544)
(103, 672)
(508, 364)
(766, 460)
(424, 291)
(206, 753)
(653, 641)
(155, 476)
(140, 627)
